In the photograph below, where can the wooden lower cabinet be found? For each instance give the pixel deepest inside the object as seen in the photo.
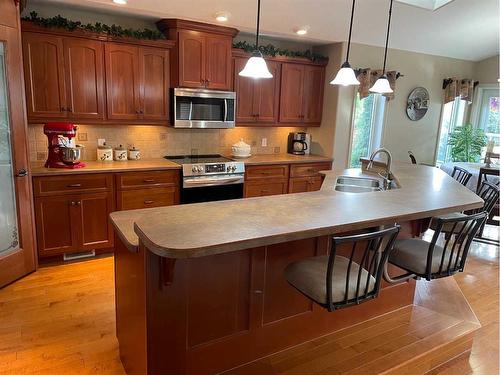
(147, 198)
(265, 188)
(304, 184)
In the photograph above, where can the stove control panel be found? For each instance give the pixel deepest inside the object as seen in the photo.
(213, 168)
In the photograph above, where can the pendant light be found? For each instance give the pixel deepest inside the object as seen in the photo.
(382, 85)
(345, 76)
(256, 66)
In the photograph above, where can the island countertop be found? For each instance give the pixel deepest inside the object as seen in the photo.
(202, 229)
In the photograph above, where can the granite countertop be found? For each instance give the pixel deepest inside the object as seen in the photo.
(201, 229)
(37, 168)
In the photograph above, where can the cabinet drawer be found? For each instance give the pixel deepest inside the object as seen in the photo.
(137, 180)
(262, 189)
(309, 170)
(147, 198)
(82, 183)
(267, 171)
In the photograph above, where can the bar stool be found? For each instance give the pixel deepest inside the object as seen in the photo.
(461, 175)
(489, 193)
(334, 281)
(431, 261)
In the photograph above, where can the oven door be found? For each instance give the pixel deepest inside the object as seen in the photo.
(212, 188)
(195, 108)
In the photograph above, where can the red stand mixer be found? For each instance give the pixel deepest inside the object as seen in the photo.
(61, 153)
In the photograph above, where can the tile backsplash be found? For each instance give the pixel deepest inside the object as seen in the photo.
(158, 141)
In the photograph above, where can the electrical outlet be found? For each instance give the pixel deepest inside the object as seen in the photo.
(277, 150)
(41, 156)
(264, 142)
(163, 136)
(101, 142)
(254, 143)
(82, 137)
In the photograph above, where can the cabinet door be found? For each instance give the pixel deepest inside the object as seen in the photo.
(314, 77)
(267, 94)
(304, 184)
(265, 188)
(292, 91)
(44, 76)
(155, 83)
(122, 81)
(218, 62)
(191, 49)
(56, 225)
(93, 227)
(244, 88)
(84, 69)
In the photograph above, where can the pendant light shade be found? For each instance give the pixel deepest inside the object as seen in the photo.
(256, 66)
(382, 85)
(346, 76)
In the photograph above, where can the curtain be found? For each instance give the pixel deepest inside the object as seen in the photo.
(367, 78)
(454, 88)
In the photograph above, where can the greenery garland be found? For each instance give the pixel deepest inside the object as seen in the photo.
(113, 30)
(270, 50)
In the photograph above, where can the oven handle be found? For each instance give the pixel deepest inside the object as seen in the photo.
(212, 181)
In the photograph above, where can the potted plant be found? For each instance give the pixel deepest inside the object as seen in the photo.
(466, 143)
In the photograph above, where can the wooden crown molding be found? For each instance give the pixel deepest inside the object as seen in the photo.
(236, 52)
(174, 23)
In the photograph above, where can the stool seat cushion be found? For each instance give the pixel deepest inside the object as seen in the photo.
(448, 227)
(411, 255)
(309, 276)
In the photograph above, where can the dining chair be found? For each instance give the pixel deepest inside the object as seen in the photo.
(432, 261)
(412, 157)
(461, 175)
(334, 281)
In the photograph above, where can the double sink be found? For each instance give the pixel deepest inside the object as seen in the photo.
(350, 184)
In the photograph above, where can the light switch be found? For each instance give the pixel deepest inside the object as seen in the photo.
(264, 142)
(101, 142)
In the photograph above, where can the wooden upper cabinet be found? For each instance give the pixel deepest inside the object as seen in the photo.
(203, 56)
(314, 81)
(154, 74)
(258, 100)
(292, 92)
(192, 51)
(44, 76)
(218, 62)
(301, 99)
(122, 81)
(84, 70)
(267, 95)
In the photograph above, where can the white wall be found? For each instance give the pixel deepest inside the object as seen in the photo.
(487, 71)
(400, 133)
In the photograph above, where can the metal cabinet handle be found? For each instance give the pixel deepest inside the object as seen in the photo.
(78, 203)
(149, 180)
(22, 173)
(149, 202)
(74, 185)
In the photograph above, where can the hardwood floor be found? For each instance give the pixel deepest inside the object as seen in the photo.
(60, 320)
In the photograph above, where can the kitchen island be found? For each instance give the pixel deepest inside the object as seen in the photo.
(200, 288)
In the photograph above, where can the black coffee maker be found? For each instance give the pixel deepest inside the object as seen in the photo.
(298, 143)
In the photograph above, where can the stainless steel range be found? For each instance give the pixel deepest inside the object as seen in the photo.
(210, 178)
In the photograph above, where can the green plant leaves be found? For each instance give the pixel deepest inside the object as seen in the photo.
(466, 143)
(270, 50)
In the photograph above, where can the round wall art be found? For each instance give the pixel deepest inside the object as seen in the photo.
(418, 103)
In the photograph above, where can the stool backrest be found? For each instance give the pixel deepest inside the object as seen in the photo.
(412, 157)
(461, 232)
(461, 175)
(489, 194)
(370, 251)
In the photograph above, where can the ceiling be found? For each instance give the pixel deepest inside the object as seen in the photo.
(463, 29)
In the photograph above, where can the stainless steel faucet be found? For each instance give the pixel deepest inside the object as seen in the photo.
(388, 177)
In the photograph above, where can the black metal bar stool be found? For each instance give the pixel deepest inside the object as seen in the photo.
(431, 261)
(461, 175)
(334, 281)
(489, 193)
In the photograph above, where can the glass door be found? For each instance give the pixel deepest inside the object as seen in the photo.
(9, 232)
(17, 242)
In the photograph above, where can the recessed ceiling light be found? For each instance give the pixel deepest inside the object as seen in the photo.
(301, 30)
(222, 16)
(120, 2)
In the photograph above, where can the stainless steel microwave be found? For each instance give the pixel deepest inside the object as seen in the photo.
(199, 108)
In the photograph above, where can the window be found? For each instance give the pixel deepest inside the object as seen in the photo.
(453, 116)
(367, 127)
(489, 115)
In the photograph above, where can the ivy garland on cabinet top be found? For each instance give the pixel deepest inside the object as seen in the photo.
(270, 50)
(113, 30)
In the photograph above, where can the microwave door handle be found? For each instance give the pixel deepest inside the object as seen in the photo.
(190, 110)
(225, 110)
